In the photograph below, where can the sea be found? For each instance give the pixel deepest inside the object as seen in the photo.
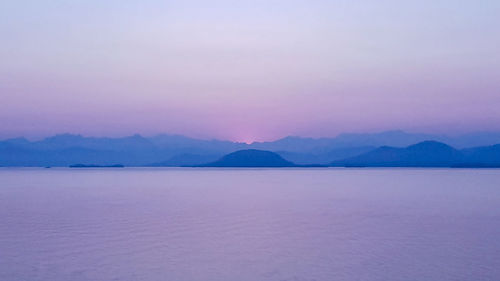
(209, 224)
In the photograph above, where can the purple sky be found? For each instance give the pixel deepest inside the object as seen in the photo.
(248, 70)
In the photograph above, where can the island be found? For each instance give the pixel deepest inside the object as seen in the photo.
(96, 166)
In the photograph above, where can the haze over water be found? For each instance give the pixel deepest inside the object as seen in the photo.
(249, 224)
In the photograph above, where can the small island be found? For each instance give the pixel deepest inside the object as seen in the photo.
(96, 166)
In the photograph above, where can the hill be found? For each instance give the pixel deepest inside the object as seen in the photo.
(251, 158)
(423, 154)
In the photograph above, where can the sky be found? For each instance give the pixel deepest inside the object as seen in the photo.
(248, 70)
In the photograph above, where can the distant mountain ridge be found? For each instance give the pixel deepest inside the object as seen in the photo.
(186, 159)
(425, 154)
(176, 150)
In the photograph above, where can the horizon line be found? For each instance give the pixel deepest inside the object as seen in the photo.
(35, 139)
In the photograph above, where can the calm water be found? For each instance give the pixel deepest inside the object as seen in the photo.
(249, 224)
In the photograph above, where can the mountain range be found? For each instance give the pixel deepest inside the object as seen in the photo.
(176, 150)
(425, 154)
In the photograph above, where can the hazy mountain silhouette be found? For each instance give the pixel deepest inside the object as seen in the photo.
(175, 150)
(323, 158)
(66, 149)
(485, 156)
(187, 159)
(473, 140)
(396, 138)
(251, 158)
(425, 154)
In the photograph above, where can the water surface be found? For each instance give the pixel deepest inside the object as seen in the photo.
(249, 224)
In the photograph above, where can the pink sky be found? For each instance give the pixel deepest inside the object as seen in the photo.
(256, 70)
